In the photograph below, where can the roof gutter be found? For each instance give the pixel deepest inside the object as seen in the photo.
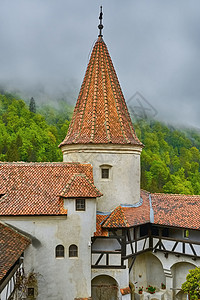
(151, 210)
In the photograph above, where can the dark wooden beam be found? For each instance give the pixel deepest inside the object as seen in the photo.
(132, 263)
(108, 267)
(99, 259)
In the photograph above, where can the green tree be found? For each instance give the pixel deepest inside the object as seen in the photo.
(192, 284)
(32, 106)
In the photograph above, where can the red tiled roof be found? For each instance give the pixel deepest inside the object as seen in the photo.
(176, 210)
(80, 186)
(168, 209)
(129, 216)
(116, 219)
(33, 188)
(100, 231)
(101, 115)
(12, 245)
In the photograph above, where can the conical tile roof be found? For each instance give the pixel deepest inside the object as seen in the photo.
(101, 115)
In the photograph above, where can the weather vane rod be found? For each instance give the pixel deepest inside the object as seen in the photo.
(100, 25)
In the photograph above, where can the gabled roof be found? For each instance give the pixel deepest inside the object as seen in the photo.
(33, 188)
(12, 245)
(100, 218)
(80, 186)
(128, 216)
(101, 115)
(182, 211)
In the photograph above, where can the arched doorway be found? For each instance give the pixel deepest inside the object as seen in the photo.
(104, 287)
(147, 270)
(179, 272)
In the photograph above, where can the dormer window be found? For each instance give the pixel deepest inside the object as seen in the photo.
(105, 172)
(80, 204)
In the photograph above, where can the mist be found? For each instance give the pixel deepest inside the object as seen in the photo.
(154, 45)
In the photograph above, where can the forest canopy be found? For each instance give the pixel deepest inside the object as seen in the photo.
(170, 161)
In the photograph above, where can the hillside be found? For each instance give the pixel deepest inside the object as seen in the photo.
(170, 161)
(28, 136)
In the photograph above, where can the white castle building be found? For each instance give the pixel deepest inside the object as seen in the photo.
(82, 229)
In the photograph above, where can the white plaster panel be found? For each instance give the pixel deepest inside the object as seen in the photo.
(115, 259)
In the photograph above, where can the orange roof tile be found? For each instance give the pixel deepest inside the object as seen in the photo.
(167, 209)
(100, 231)
(12, 245)
(176, 210)
(101, 115)
(116, 219)
(80, 186)
(33, 188)
(127, 216)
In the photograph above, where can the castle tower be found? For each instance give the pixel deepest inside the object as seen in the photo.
(101, 132)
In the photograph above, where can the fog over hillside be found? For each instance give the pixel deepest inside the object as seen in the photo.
(154, 45)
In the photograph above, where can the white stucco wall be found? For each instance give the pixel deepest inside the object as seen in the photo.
(123, 186)
(60, 278)
(156, 268)
(120, 275)
(179, 272)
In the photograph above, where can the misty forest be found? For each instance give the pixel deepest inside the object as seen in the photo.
(170, 161)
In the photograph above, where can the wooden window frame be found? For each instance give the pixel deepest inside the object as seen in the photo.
(80, 204)
(73, 251)
(60, 251)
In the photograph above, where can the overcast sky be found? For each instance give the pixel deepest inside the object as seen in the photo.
(154, 45)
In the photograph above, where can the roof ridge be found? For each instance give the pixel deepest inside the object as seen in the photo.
(95, 99)
(124, 217)
(171, 194)
(67, 187)
(114, 93)
(71, 180)
(107, 123)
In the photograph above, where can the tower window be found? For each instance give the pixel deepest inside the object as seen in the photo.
(60, 251)
(105, 173)
(80, 204)
(73, 251)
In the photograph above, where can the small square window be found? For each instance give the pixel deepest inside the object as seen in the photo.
(80, 204)
(105, 173)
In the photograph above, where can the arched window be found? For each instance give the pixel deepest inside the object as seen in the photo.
(73, 251)
(60, 251)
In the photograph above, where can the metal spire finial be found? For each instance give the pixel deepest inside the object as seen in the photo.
(100, 25)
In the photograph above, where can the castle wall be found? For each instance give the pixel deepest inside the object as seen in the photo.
(123, 185)
(60, 278)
